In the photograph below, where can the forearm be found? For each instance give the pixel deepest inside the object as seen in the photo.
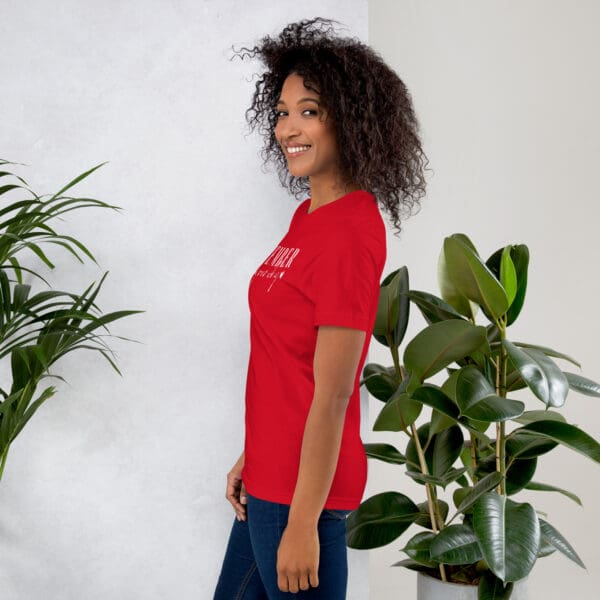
(318, 459)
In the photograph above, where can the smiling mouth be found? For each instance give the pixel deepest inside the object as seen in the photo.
(296, 150)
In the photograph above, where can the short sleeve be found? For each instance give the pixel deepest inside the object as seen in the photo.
(346, 280)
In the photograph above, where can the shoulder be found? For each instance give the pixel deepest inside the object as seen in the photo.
(362, 224)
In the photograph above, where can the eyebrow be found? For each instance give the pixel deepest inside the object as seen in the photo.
(280, 101)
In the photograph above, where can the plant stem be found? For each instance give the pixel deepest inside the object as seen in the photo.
(396, 358)
(501, 427)
(431, 495)
(432, 503)
(473, 458)
(501, 456)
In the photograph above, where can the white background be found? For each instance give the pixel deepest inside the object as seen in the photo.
(508, 95)
(115, 488)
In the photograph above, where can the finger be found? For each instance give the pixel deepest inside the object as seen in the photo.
(239, 508)
(243, 497)
(282, 582)
(232, 493)
(313, 578)
(293, 583)
(304, 584)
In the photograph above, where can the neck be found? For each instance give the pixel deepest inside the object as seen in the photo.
(326, 191)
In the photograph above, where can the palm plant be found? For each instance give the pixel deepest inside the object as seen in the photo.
(489, 539)
(37, 329)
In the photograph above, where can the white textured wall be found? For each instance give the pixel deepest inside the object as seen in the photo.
(115, 489)
(508, 96)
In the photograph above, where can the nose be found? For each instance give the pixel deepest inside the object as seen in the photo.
(288, 127)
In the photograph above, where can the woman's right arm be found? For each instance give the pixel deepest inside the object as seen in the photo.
(236, 492)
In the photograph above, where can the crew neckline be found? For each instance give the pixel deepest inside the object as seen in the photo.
(352, 194)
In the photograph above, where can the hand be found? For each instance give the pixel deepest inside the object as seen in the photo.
(298, 558)
(236, 491)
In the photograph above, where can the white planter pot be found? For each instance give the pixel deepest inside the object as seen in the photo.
(429, 588)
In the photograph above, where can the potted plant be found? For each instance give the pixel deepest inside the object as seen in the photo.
(37, 329)
(476, 440)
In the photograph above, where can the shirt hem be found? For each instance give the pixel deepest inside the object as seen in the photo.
(342, 321)
(332, 502)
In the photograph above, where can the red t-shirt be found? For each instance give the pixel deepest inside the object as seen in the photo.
(325, 271)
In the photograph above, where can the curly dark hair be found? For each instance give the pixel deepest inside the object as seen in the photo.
(376, 128)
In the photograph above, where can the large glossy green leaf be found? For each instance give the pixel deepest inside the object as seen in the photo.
(567, 435)
(508, 534)
(445, 450)
(546, 548)
(541, 374)
(386, 317)
(520, 257)
(477, 428)
(379, 520)
(399, 412)
(493, 588)
(508, 275)
(471, 386)
(441, 452)
(458, 495)
(476, 399)
(583, 385)
(434, 397)
(424, 519)
(393, 308)
(440, 344)
(439, 421)
(432, 308)
(450, 476)
(385, 452)
(544, 487)
(473, 279)
(495, 409)
(412, 456)
(518, 473)
(409, 563)
(554, 537)
(548, 352)
(456, 545)
(379, 381)
(417, 548)
(530, 416)
(471, 495)
(403, 307)
(525, 444)
(450, 292)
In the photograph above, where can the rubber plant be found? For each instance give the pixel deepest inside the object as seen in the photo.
(37, 328)
(475, 437)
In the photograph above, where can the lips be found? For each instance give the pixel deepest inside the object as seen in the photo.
(293, 150)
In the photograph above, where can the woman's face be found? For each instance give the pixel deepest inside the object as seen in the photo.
(305, 133)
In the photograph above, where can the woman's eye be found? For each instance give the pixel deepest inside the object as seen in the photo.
(280, 113)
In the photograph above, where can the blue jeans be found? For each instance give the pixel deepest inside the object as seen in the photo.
(249, 570)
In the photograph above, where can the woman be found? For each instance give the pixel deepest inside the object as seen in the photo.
(339, 124)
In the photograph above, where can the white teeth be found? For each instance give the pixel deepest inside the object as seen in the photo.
(294, 149)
